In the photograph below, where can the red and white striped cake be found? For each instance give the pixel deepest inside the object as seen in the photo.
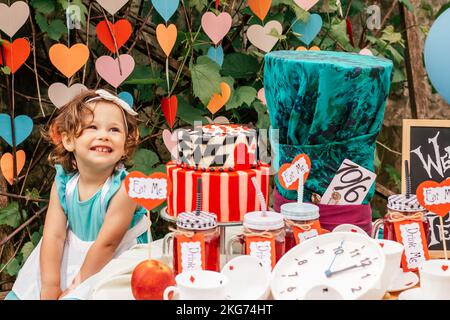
(228, 194)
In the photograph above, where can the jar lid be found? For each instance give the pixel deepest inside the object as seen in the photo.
(255, 220)
(300, 212)
(192, 221)
(400, 202)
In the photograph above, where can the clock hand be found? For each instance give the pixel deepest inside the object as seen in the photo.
(337, 252)
(330, 273)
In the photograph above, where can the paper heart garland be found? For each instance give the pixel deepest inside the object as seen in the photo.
(121, 30)
(313, 48)
(170, 140)
(262, 96)
(167, 37)
(148, 191)
(14, 17)
(169, 107)
(127, 97)
(23, 125)
(219, 100)
(112, 6)
(16, 53)
(108, 68)
(435, 197)
(261, 37)
(69, 60)
(308, 30)
(294, 179)
(260, 7)
(306, 4)
(366, 52)
(7, 165)
(60, 94)
(218, 120)
(166, 8)
(216, 27)
(216, 54)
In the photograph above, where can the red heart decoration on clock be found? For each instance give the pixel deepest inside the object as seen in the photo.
(435, 197)
(169, 107)
(121, 30)
(148, 191)
(287, 166)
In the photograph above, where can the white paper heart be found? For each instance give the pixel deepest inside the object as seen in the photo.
(262, 96)
(218, 120)
(14, 17)
(109, 69)
(261, 37)
(60, 94)
(366, 52)
(112, 6)
(306, 4)
(171, 141)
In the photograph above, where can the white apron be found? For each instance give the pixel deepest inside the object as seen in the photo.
(28, 282)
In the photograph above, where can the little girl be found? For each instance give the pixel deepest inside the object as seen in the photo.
(90, 218)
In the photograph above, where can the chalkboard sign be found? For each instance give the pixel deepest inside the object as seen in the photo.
(426, 146)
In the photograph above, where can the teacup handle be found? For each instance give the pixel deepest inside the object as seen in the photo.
(229, 250)
(377, 226)
(171, 289)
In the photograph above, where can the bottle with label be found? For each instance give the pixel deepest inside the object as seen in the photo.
(196, 242)
(302, 222)
(403, 209)
(263, 237)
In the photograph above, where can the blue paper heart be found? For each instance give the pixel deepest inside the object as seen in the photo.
(308, 30)
(166, 8)
(216, 54)
(127, 97)
(23, 125)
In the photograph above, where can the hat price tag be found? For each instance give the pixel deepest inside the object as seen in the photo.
(350, 185)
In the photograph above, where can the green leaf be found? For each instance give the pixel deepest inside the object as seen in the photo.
(239, 65)
(391, 36)
(200, 5)
(263, 115)
(144, 160)
(41, 22)
(26, 250)
(242, 95)
(56, 29)
(144, 74)
(36, 237)
(339, 32)
(43, 6)
(10, 215)
(407, 4)
(205, 78)
(6, 70)
(13, 267)
(143, 131)
(189, 113)
(34, 193)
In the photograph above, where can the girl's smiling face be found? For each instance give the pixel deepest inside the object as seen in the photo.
(101, 144)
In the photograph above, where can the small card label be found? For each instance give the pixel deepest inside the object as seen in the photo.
(147, 188)
(263, 249)
(302, 235)
(191, 253)
(294, 171)
(412, 235)
(350, 185)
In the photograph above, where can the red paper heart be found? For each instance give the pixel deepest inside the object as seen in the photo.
(444, 267)
(149, 204)
(169, 107)
(122, 30)
(284, 167)
(441, 209)
(16, 53)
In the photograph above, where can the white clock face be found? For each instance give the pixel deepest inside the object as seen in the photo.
(350, 263)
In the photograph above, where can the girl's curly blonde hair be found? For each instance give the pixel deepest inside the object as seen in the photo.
(69, 120)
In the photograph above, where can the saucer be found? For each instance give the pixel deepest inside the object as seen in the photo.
(117, 288)
(403, 281)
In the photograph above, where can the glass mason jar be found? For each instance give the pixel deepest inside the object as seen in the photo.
(402, 208)
(302, 222)
(263, 237)
(196, 242)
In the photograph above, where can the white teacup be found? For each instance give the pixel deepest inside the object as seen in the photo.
(393, 252)
(435, 279)
(198, 285)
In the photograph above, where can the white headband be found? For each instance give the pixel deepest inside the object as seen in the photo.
(105, 95)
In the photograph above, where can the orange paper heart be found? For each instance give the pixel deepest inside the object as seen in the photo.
(219, 100)
(260, 7)
(314, 48)
(16, 53)
(69, 60)
(435, 197)
(166, 36)
(286, 166)
(7, 162)
(122, 30)
(148, 191)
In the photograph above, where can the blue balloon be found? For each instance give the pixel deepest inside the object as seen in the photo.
(437, 55)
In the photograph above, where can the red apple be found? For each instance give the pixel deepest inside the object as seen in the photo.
(149, 280)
